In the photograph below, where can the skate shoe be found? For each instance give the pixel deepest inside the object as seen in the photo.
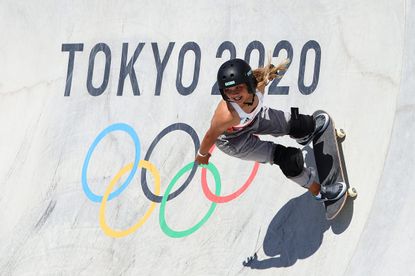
(331, 192)
(322, 121)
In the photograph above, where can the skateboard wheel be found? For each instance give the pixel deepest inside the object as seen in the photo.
(340, 133)
(352, 192)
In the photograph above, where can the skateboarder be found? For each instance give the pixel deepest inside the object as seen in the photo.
(241, 116)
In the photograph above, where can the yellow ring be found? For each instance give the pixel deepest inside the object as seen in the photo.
(119, 234)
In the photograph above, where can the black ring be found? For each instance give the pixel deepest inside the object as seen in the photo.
(177, 126)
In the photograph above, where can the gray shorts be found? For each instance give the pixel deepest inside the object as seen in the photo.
(246, 145)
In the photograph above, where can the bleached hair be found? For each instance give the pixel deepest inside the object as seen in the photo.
(264, 75)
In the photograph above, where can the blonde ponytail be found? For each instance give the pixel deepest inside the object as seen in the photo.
(266, 74)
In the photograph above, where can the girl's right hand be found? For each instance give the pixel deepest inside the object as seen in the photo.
(202, 159)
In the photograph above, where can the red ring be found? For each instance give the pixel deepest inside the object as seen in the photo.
(224, 199)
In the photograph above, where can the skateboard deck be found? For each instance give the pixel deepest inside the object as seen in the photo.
(330, 164)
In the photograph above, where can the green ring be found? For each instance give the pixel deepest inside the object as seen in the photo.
(162, 219)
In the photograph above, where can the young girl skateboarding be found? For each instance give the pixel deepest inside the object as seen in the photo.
(241, 116)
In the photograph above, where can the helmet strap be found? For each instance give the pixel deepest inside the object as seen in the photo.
(252, 102)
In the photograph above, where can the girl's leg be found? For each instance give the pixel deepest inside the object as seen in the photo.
(302, 128)
(307, 180)
(290, 160)
(247, 147)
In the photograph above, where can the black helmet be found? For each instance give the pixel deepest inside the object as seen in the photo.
(234, 72)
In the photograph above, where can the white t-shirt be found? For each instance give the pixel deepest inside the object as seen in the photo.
(247, 118)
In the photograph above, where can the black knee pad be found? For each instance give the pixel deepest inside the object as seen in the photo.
(290, 160)
(300, 125)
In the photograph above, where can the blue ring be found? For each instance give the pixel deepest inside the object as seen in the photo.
(111, 128)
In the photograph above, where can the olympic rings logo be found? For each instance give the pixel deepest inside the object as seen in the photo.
(146, 165)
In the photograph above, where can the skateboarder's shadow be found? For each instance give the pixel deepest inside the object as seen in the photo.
(296, 232)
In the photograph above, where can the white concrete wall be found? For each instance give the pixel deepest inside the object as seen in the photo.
(50, 226)
(388, 238)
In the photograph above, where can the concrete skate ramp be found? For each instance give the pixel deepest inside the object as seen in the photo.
(102, 106)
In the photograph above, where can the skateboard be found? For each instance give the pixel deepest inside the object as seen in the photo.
(330, 164)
